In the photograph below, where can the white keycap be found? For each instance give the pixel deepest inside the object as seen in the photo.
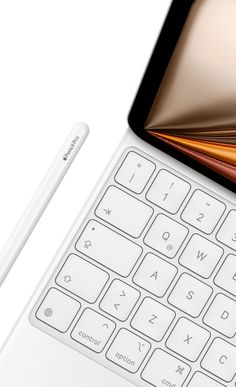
(201, 256)
(227, 233)
(190, 295)
(188, 339)
(135, 172)
(203, 211)
(220, 360)
(123, 211)
(226, 277)
(108, 248)
(201, 380)
(166, 235)
(155, 275)
(153, 319)
(119, 300)
(75, 275)
(165, 370)
(58, 310)
(221, 315)
(128, 350)
(93, 330)
(168, 191)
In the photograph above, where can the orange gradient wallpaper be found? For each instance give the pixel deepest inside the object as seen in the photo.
(195, 108)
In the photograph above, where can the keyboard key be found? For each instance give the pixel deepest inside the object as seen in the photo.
(227, 232)
(188, 339)
(93, 330)
(166, 235)
(128, 350)
(58, 310)
(108, 248)
(203, 211)
(226, 277)
(190, 295)
(164, 369)
(76, 273)
(221, 315)
(135, 172)
(220, 360)
(155, 275)
(153, 319)
(201, 256)
(201, 380)
(124, 212)
(119, 300)
(168, 191)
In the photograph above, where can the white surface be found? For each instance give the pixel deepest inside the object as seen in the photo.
(169, 375)
(93, 330)
(200, 379)
(227, 233)
(106, 247)
(166, 235)
(168, 191)
(220, 354)
(119, 300)
(135, 172)
(128, 350)
(188, 339)
(155, 275)
(62, 62)
(124, 212)
(30, 348)
(58, 310)
(75, 275)
(42, 197)
(153, 319)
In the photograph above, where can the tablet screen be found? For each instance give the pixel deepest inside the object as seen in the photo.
(194, 108)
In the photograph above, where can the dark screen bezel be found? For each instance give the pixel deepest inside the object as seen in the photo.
(150, 84)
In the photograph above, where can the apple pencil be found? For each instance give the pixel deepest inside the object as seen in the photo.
(41, 199)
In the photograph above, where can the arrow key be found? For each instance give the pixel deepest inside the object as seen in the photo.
(119, 300)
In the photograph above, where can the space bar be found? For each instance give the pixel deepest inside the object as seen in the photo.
(108, 248)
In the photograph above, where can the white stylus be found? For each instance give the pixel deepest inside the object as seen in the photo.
(41, 199)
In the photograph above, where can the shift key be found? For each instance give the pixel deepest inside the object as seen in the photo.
(108, 248)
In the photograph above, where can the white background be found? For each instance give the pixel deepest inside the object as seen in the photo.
(62, 61)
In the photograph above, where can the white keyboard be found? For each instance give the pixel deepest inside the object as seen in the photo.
(148, 285)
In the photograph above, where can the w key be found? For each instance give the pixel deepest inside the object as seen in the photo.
(123, 211)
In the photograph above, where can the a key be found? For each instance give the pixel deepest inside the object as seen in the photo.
(227, 232)
(58, 310)
(75, 275)
(93, 330)
(108, 248)
(164, 369)
(226, 277)
(220, 360)
(201, 256)
(128, 350)
(153, 319)
(203, 211)
(221, 315)
(119, 300)
(166, 235)
(188, 339)
(155, 275)
(168, 191)
(190, 295)
(135, 172)
(201, 380)
(123, 211)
